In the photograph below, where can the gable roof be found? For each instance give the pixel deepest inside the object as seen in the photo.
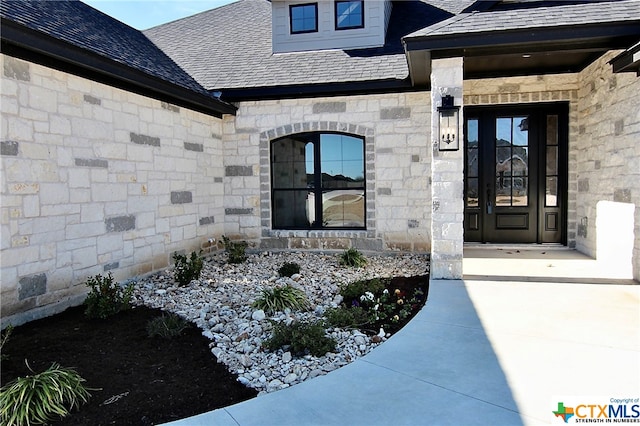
(229, 49)
(77, 38)
(536, 39)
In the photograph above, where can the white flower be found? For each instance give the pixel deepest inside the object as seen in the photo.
(385, 291)
(369, 295)
(375, 308)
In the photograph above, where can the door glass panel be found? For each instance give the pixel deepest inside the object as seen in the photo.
(519, 191)
(551, 198)
(512, 161)
(472, 192)
(472, 163)
(503, 191)
(552, 170)
(552, 130)
(552, 160)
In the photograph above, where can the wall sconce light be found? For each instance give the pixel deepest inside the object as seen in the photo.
(449, 134)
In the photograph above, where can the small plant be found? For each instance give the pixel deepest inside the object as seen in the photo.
(187, 269)
(279, 298)
(354, 317)
(235, 250)
(4, 336)
(106, 298)
(353, 258)
(42, 397)
(167, 326)
(357, 292)
(302, 338)
(288, 269)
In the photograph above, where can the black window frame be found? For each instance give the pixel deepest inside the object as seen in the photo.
(292, 7)
(317, 188)
(335, 13)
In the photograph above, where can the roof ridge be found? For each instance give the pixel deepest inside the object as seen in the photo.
(447, 22)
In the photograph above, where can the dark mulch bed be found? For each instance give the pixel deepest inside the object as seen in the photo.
(138, 380)
(159, 380)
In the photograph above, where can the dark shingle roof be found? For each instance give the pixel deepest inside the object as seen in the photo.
(230, 48)
(80, 25)
(539, 17)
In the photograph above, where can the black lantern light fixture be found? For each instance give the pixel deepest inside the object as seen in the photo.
(449, 134)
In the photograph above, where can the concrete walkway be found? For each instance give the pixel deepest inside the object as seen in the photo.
(481, 352)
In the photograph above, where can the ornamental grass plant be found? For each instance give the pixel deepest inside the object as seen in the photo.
(42, 398)
(352, 258)
(277, 299)
(167, 325)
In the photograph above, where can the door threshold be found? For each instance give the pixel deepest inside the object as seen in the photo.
(516, 246)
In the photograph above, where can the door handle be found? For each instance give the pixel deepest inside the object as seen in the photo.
(489, 203)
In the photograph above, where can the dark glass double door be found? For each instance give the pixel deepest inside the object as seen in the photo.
(516, 174)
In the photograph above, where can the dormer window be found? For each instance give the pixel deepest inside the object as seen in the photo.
(304, 18)
(349, 15)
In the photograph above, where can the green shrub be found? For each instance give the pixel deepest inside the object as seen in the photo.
(235, 250)
(353, 293)
(43, 397)
(352, 257)
(167, 326)
(288, 269)
(187, 269)
(106, 298)
(4, 336)
(279, 298)
(344, 317)
(302, 338)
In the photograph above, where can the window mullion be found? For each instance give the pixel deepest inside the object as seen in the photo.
(318, 190)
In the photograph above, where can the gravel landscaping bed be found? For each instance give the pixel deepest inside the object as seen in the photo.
(220, 304)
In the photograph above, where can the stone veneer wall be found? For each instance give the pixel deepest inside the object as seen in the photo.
(97, 180)
(395, 127)
(535, 89)
(608, 166)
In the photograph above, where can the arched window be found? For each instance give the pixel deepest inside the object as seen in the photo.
(317, 181)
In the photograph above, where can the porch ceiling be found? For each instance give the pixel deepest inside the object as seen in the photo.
(529, 42)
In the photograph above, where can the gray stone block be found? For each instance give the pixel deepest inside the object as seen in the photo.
(395, 113)
(111, 266)
(144, 139)
(91, 162)
(31, 286)
(197, 147)
(384, 191)
(618, 127)
(217, 180)
(237, 211)
(181, 197)
(238, 171)
(322, 107)
(169, 107)
(92, 100)
(622, 195)
(583, 185)
(9, 147)
(120, 223)
(207, 220)
(412, 223)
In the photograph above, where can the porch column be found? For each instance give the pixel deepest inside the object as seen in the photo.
(447, 180)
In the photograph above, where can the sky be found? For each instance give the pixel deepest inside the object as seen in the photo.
(144, 14)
